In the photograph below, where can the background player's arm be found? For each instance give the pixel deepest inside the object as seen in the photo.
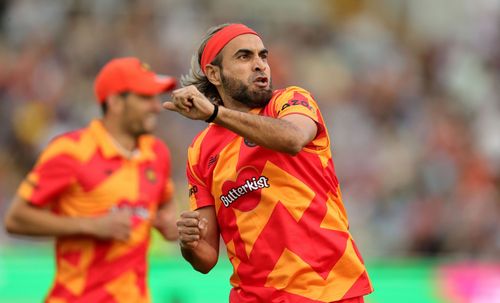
(289, 134)
(165, 220)
(26, 219)
(199, 238)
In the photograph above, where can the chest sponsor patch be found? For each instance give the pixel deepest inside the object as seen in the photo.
(248, 186)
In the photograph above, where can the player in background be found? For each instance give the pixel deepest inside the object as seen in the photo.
(100, 189)
(261, 176)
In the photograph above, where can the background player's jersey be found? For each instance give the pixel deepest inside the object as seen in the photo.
(281, 216)
(82, 174)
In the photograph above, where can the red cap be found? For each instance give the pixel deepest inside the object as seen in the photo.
(130, 75)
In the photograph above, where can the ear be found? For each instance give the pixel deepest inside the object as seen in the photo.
(115, 103)
(213, 74)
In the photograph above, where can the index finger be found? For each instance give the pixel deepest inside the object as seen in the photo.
(182, 103)
(188, 92)
(169, 105)
(190, 214)
(181, 92)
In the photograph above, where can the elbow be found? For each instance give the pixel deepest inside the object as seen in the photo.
(202, 265)
(204, 269)
(293, 147)
(14, 220)
(293, 151)
(10, 225)
(294, 144)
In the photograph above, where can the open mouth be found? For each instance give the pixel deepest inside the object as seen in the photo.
(261, 81)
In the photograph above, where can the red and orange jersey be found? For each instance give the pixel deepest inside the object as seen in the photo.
(82, 174)
(281, 217)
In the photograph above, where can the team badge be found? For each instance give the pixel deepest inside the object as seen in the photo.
(150, 175)
(249, 143)
(145, 66)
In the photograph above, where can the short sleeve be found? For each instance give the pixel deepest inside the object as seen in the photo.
(199, 193)
(54, 172)
(168, 192)
(165, 161)
(296, 100)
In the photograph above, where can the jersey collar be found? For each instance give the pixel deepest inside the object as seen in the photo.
(111, 149)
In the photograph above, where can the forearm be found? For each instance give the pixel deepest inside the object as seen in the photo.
(168, 230)
(165, 221)
(47, 224)
(29, 220)
(203, 258)
(272, 133)
(170, 233)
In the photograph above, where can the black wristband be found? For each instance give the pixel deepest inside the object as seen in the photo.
(214, 114)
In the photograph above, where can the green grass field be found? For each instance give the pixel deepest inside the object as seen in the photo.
(27, 272)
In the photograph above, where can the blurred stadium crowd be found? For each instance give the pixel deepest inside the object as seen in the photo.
(410, 91)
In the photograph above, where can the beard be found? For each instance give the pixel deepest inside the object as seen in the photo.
(240, 92)
(137, 126)
(135, 129)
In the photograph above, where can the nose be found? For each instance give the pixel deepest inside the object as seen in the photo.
(260, 65)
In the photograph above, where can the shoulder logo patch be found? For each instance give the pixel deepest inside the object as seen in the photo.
(212, 160)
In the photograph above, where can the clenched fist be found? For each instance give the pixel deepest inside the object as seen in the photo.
(192, 229)
(191, 103)
(116, 225)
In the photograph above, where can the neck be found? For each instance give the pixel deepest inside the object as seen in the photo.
(123, 139)
(233, 104)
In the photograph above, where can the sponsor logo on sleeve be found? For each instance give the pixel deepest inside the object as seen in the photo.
(193, 190)
(295, 102)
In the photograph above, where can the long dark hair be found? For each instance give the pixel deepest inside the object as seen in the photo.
(196, 77)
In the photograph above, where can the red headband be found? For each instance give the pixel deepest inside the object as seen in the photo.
(220, 39)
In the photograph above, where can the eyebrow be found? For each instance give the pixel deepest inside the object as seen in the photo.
(248, 52)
